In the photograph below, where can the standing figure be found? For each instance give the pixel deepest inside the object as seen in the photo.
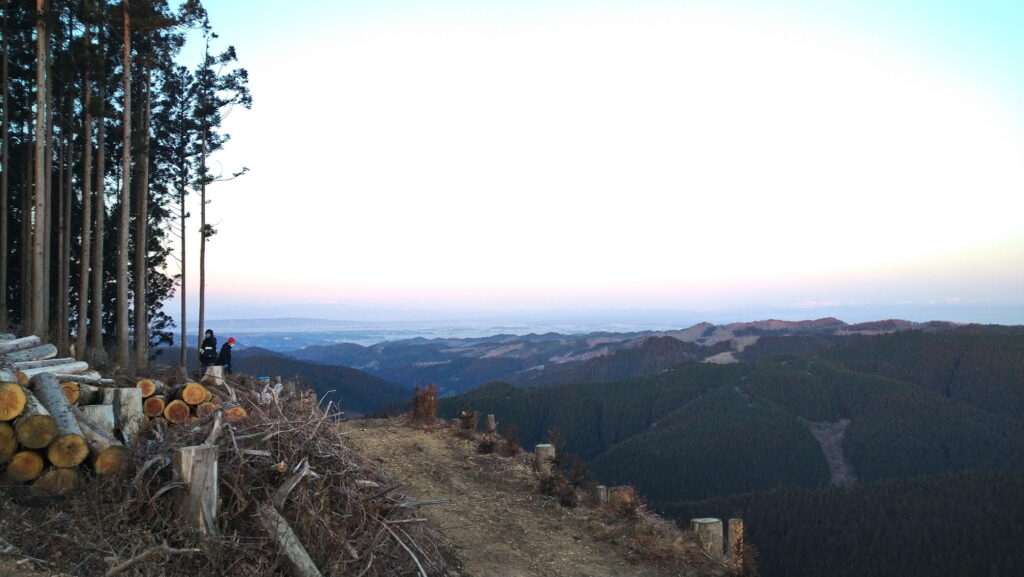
(224, 358)
(208, 352)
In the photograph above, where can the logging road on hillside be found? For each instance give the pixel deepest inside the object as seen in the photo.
(494, 520)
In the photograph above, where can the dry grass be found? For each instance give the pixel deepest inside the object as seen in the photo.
(347, 513)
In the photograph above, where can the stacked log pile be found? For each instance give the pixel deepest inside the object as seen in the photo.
(57, 418)
(189, 402)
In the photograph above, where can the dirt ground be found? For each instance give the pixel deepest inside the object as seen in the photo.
(493, 519)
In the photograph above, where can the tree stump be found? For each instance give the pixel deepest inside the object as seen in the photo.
(709, 534)
(542, 457)
(100, 417)
(735, 549)
(214, 376)
(492, 425)
(601, 495)
(196, 467)
(128, 410)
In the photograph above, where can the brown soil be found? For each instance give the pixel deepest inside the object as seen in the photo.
(494, 520)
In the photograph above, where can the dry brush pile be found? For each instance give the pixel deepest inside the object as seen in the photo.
(285, 478)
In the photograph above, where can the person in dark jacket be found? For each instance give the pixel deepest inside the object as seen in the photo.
(208, 351)
(224, 358)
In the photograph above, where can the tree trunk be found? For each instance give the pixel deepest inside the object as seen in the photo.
(183, 361)
(5, 165)
(142, 233)
(69, 448)
(202, 239)
(38, 261)
(35, 428)
(122, 356)
(86, 241)
(62, 321)
(97, 353)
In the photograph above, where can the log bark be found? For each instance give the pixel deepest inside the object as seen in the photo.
(7, 376)
(39, 353)
(108, 455)
(69, 448)
(177, 412)
(22, 365)
(281, 533)
(128, 410)
(8, 443)
(57, 481)
(196, 467)
(64, 369)
(35, 428)
(149, 387)
(154, 406)
(12, 400)
(19, 344)
(24, 466)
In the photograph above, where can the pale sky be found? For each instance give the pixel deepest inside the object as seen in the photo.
(691, 154)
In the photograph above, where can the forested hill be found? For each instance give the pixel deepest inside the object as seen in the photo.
(866, 410)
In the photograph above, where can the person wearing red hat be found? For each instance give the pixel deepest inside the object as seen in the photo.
(224, 358)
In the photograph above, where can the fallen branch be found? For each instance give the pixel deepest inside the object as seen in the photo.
(419, 566)
(281, 494)
(153, 551)
(277, 527)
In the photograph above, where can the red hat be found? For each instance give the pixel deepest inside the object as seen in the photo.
(231, 340)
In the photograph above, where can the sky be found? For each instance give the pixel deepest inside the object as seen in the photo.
(480, 155)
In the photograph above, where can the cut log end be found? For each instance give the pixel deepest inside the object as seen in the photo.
(205, 409)
(57, 482)
(22, 377)
(149, 387)
(71, 391)
(12, 400)
(8, 443)
(24, 466)
(67, 451)
(177, 412)
(112, 461)
(154, 406)
(36, 431)
(235, 414)
(194, 393)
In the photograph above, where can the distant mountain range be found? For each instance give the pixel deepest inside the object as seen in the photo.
(457, 365)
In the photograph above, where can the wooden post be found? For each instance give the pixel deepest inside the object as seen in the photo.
(709, 534)
(128, 410)
(542, 457)
(601, 495)
(735, 550)
(492, 425)
(196, 467)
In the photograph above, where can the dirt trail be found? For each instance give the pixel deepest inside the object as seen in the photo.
(494, 521)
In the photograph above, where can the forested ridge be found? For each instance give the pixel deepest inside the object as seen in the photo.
(929, 406)
(104, 135)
